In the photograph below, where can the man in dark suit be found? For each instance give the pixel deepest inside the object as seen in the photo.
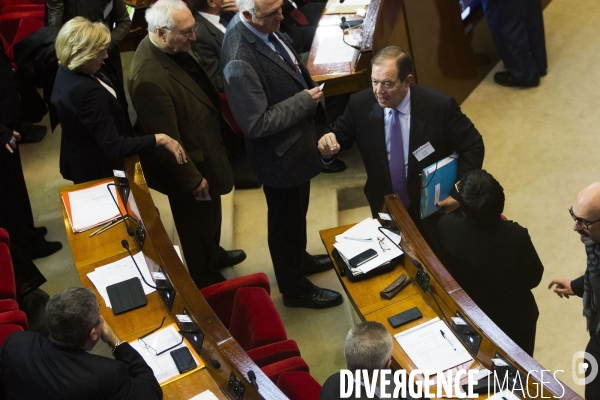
(368, 347)
(172, 93)
(518, 30)
(400, 129)
(61, 367)
(209, 37)
(274, 100)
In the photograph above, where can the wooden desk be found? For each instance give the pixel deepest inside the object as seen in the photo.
(364, 296)
(90, 253)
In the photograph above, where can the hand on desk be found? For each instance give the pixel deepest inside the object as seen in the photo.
(328, 144)
(563, 287)
(448, 205)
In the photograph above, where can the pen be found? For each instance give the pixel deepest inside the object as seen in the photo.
(108, 226)
(448, 340)
(359, 239)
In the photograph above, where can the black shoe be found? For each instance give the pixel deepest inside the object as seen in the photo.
(234, 257)
(505, 78)
(318, 298)
(40, 231)
(336, 165)
(45, 248)
(316, 264)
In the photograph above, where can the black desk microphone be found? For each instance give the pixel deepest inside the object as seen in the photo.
(129, 229)
(125, 245)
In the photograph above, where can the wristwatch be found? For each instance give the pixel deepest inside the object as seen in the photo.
(113, 348)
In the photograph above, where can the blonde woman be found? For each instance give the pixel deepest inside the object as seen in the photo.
(96, 133)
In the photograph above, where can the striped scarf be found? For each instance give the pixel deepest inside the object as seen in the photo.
(591, 288)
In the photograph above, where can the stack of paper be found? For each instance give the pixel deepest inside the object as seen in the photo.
(92, 206)
(120, 271)
(430, 350)
(163, 366)
(366, 235)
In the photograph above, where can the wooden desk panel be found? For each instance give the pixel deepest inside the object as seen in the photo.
(192, 385)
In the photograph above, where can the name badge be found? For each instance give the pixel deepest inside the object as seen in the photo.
(423, 151)
(108, 9)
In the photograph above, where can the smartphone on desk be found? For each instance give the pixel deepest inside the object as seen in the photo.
(362, 258)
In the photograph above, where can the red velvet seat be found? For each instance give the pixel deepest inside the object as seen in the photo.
(9, 23)
(294, 364)
(8, 289)
(299, 386)
(15, 317)
(8, 305)
(6, 330)
(274, 352)
(255, 321)
(220, 295)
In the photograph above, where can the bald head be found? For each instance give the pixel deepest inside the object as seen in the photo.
(586, 208)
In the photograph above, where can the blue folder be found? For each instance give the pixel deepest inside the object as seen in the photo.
(437, 183)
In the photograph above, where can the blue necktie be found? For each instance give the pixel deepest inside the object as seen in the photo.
(397, 167)
(284, 53)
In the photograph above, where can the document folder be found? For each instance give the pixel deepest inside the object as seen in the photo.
(126, 295)
(437, 183)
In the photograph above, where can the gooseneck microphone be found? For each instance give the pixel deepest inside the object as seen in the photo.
(215, 364)
(252, 378)
(344, 33)
(125, 245)
(129, 229)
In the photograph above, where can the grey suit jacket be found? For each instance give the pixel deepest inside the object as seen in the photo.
(271, 107)
(207, 45)
(168, 100)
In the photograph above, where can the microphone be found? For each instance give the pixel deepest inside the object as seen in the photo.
(125, 245)
(252, 375)
(129, 229)
(344, 29)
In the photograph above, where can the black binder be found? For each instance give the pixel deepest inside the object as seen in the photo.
(126, 295)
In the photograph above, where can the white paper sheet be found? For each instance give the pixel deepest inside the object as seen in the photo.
(368, 229)
(91, 207)
(120, 271)
(206, 395)
(332, 48)
(163, 366)
(427, 348)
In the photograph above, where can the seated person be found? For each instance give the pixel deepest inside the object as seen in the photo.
(61, 367)
(368, 346)
(493, 259)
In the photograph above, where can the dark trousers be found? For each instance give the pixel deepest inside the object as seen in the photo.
(198, 224)
(287, 236)
(518, 30)
(592, 389)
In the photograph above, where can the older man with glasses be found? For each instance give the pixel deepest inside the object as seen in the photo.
(172, 93)
(62, 367)
(585, 211)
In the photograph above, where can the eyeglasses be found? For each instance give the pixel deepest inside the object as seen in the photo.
(152, 349)
(382, 244)
(187, 33)
(584, 223)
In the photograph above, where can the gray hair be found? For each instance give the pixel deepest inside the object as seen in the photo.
(160, 14)
(71, 315)
(368, 346)
(247, 5)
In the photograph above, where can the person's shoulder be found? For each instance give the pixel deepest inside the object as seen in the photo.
(331, 388)
(428, 95)
(451, 221)
(513, 228)
(363, 97)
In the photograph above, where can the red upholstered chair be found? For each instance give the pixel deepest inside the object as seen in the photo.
(294, 364)
(274, 352)
(15, 317)
(8, 305)
(220, 295)
(255, 321)
(8, 288)
(6, 330)
(299, 386)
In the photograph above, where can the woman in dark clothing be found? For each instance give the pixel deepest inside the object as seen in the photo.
(96, 133)
(493, 259)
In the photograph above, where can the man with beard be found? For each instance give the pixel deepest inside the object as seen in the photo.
(586, 214)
